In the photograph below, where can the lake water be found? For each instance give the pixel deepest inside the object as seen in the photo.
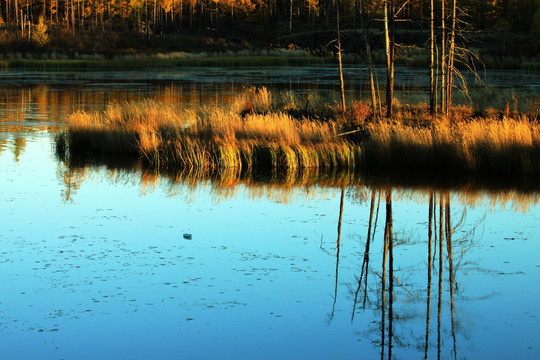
(116, 262)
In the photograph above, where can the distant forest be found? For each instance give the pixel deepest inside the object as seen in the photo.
(257, 22)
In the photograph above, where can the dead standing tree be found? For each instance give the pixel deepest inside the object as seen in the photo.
(389, 41)
(445, 63)
(367, 42)
(341, 81)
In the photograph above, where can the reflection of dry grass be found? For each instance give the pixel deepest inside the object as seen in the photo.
(517, 200)
(299, 186)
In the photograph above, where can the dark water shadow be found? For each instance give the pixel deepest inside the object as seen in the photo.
(426, 180)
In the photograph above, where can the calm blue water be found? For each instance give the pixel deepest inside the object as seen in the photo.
(106, 272)
(94, 263)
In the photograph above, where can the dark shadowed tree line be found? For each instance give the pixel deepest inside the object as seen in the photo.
(287, 16)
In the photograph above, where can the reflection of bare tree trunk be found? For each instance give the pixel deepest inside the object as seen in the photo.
(365, 262)
(450, 268)
(390, 271)
(337, 251)
(428, 300)
(369, 240)
(383, 285)
(439, 305)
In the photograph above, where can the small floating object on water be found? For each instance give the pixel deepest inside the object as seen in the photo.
(187, 236)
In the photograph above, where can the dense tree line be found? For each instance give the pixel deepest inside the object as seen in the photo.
(167, 16)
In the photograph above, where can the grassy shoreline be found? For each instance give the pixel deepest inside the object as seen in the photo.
(97, 62)
(156, 63)
(262, 130)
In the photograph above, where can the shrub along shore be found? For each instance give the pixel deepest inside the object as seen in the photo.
(260, 130)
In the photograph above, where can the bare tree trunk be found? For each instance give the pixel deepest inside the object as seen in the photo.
(341, 82)
(389, 45)
(72, 18)
(8, 20)
(147, 28)
(201, 13)
(451, 57)
(432, 59)
(16, 13)
(443, 59)
(367, 39)
(155, 11)
(290, 15)
(82, 15)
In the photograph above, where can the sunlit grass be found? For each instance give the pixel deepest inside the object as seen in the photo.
(486, 144)
(208, 139)
(287, 133)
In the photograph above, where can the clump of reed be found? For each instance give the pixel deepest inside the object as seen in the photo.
(488, 144)
(209, 139)
(297, 135)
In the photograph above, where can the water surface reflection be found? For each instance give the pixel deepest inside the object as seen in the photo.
(344, 264)
(327, 265)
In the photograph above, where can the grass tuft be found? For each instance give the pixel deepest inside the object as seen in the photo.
(208, 139)
(268, 137)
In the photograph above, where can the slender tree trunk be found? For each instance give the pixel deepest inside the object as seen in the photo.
(432, 59)
(201, 15)
(82, 15)
(367, 40)
(16, 13)
(341, 82)
(146, 25)
(451, 57)
(154, 15)
(72, 18)
(389, 45)
(443, 59)
(290, 15)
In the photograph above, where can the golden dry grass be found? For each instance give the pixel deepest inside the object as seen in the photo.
(256, 131)
(210, 139)
(488, 144)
